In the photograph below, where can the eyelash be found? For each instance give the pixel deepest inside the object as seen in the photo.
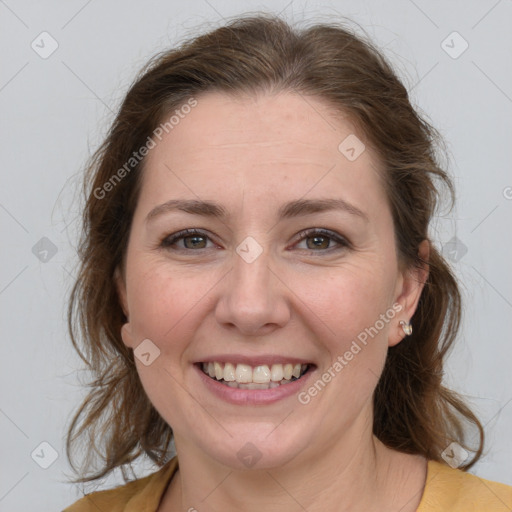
(343, 243)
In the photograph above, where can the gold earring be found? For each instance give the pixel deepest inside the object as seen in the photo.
(406, 327)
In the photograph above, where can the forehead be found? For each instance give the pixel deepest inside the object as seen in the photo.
(301, 125)
(281, 144)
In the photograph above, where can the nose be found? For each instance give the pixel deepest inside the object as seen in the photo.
(253, 299)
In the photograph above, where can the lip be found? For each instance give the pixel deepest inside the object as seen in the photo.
(253, 361)
(254, 396)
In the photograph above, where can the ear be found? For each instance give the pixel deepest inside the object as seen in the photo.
(408, 292)
(126, 332)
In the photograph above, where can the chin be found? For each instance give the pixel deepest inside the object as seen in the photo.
(256, 447)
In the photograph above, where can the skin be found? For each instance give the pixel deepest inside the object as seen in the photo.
(252, 154)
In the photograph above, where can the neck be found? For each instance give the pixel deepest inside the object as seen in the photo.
(355, 473)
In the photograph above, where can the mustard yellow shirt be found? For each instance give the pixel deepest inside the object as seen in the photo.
(446, 490)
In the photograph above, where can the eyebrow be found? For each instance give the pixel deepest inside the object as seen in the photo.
(289, 210)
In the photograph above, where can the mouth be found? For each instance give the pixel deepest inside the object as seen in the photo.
(244, 376)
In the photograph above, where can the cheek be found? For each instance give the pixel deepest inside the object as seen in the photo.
(161, 309)
(351, 298)
(355, 303)
(158, 297)
(167, 304)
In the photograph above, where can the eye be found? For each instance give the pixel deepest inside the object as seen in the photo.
(191, 238)
(316, 240)
(319, 240)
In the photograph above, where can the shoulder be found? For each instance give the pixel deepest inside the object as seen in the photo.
(137, 495)
(453, 490)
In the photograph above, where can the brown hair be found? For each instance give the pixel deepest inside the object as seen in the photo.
(413, 411)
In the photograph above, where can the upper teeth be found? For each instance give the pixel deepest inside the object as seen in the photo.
(243, 373)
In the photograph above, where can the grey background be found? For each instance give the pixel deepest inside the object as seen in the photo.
(55, 112)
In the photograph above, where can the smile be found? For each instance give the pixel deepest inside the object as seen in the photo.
(244, 376)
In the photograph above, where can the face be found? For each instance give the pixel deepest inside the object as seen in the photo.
(290, 267)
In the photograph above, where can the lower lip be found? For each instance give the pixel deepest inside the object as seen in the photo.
(253, 396)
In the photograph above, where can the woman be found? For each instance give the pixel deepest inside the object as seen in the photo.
(258, 285)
